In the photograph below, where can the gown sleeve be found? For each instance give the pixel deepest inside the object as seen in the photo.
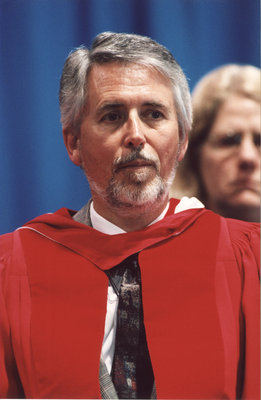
(245, 239)
(10, 386)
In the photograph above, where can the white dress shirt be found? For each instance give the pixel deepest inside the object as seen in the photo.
(101, 224)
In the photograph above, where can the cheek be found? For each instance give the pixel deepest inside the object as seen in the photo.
(169, 152)
(94, 153)
(212, 170)
(168, 159)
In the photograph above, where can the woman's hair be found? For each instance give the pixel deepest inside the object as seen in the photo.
(120, 48)
(207, 98)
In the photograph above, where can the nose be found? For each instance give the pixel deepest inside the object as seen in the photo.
(134, 136)
(249, 156)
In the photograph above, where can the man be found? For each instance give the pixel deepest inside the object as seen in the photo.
(133, 296)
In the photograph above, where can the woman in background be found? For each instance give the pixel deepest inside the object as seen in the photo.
(222, 164)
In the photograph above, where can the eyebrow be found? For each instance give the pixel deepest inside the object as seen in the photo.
(115, 105)
(154, 104)
(108, 106)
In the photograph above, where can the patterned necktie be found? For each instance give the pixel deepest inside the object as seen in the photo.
(132, 372)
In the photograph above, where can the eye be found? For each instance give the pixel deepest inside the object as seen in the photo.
(112, 117)
(231, 140)
(154, 114)
(228, 140)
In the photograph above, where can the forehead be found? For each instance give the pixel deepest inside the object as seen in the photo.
(238, 111)
(128, 80)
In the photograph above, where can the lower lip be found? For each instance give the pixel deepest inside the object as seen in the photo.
(246, 182)
(247, 186)
(135, 166)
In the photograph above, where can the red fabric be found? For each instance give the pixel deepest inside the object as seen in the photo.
(200, 296)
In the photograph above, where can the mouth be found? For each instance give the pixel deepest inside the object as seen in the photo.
(135, 164)
(247, 184)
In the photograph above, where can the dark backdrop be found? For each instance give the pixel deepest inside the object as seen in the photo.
(36, 36)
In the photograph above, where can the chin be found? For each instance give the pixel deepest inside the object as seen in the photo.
(141, 195)
(245, 199)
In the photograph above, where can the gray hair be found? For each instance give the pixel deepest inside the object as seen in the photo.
(111, 47)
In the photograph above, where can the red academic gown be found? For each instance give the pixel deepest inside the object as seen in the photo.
(200, 297)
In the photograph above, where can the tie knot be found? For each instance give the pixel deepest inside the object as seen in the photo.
(129, 268)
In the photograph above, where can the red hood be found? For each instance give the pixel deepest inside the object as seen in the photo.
(108, 250)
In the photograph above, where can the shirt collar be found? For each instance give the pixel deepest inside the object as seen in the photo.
(103, 225)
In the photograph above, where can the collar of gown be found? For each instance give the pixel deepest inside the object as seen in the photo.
(104, 250)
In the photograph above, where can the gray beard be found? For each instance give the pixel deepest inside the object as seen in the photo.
(133, 189)
(125, 194)
(134, 194)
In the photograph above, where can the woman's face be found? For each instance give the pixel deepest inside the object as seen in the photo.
(230, 157)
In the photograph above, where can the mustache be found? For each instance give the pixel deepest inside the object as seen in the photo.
(136, 155)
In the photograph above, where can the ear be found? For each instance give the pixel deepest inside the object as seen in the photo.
(71, 141)
(183, 148)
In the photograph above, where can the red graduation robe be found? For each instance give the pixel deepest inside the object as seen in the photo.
(200, 293)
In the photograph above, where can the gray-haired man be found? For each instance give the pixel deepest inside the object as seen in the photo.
(135, 295)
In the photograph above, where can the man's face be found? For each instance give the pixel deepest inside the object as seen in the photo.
(230, 158)
(128, 143)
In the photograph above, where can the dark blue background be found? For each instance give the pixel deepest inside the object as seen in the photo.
(36, 36)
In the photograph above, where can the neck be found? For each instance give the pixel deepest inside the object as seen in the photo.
(242, 211)
(130, 218)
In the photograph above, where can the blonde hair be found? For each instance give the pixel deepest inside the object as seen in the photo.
(208, 96)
